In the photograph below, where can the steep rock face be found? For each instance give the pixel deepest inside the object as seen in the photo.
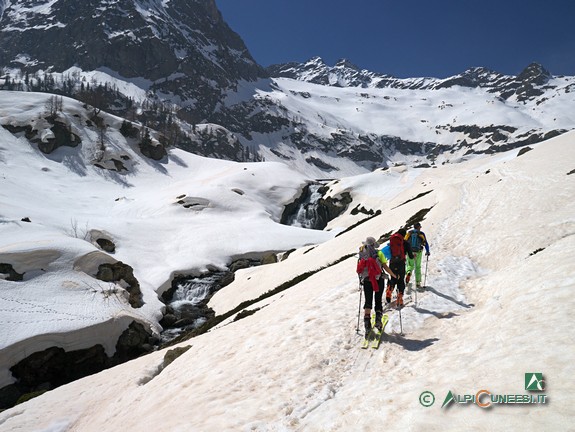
(182, 48)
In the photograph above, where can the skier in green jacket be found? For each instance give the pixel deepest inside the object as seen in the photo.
(417, 239)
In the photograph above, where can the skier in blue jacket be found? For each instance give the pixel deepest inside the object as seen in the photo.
(417, 239)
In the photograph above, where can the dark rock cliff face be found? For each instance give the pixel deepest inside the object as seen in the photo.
(182, 47)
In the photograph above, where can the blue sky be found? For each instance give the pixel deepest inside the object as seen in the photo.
(435, 38)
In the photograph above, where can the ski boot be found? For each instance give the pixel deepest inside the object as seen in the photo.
(399, 299)
(367, 324)
(378, 325)
(388, 293)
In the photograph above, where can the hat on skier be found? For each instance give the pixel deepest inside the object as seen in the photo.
(371, 241)
(416, 225)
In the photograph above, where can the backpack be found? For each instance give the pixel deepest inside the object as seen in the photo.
(368, 265)
(386, 250)
(367, 251)
(396, 246)
(415, 241)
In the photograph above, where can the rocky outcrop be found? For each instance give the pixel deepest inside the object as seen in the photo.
(60, 135)
(324, 210)
(106, 245)
(134, 342)
(152, 151)
(118, 272)
(48, 369)
(9, 273)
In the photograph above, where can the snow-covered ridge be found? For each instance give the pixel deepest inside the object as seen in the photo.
(346, 74)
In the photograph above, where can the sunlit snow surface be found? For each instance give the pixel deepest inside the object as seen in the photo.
(493, 310)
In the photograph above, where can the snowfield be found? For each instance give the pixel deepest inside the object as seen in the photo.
(498, 302)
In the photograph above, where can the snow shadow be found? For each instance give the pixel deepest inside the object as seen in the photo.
(409, 344)
(178, 160)
(449, 298)
(439, 315)
(442, 300)
(157, 165)
(69, 157)
(115, 176)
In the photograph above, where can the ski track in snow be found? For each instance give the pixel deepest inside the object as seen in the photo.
(347, 366)
(345, 363)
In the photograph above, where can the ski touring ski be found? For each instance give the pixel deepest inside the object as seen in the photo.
(373, 338)
(369, 335)
(377, 339)
(365, 341)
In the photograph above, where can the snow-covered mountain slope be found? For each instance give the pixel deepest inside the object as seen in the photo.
(500, 228)
(173, 65)
(332, 131)
(182, 214)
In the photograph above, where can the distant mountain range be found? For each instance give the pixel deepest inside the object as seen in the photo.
(177, 65)
(527, 85)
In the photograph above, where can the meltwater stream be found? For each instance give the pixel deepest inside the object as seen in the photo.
(187, 300)
(186, 303)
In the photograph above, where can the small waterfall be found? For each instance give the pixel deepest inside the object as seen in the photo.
(187, 303)
(312, 209)
(193, 291)
(307, 214)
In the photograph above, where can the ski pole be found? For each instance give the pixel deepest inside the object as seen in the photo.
(400, 323)
(425, 277)
(359, 309)
(415, 296)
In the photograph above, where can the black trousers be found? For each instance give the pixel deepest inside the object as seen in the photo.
(398, 267)
(369, 294)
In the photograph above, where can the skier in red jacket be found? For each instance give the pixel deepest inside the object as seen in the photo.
(370, 267)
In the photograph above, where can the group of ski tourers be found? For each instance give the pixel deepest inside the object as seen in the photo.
(399, 258)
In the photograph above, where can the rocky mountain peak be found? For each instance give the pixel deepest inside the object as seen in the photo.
(346, 64)
(534, 74)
